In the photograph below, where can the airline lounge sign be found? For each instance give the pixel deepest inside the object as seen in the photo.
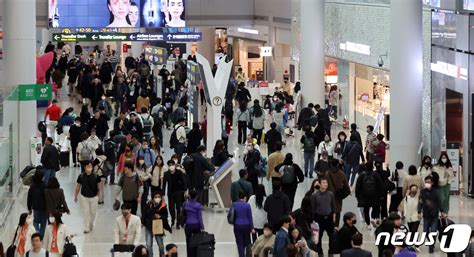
(103, 37)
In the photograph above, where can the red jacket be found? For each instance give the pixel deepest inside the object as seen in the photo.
(380, 150)
(54, 112)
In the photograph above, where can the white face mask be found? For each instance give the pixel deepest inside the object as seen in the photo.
(103, 97)
(249, 148)
(29, 220)
(444, 160)
(267, 232)
(141, 162)
(427, 185)
(157, 200)
(52, 220)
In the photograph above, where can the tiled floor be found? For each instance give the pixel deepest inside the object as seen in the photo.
(98, 243)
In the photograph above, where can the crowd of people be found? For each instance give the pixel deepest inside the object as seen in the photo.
(122, 141)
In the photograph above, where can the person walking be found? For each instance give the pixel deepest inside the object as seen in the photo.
(356, 134)
(370, 144)
(380, 152)
(324, 209)
(275, 159)
(54, 113)
(131, 188)
(426, 169)
(252, 164)
(445, 172)
(243, 223)
(144, 173)
(75, 133)
(193, 212)
(158, 171)
(194, 139)
(397, 177)
(56, 235)
(49, 160)
(308, 140)
(339, 186)
(155, 221)
(272, 137)
(277, 205)
(128, 227)
(243, 118)
(351, 157)
(356, 249)
(126, 157)
(368, 191)
(181, 138)
(257, 121)
(347, 231)
(409, 208)
(201, 167)
(36, 202)
(174, 182)
(23, 234)
(241, 185)
(259, 215)
(36, 249)
(88, 185)
(411, 179)
(290, 175)
(282, 238)
(430, 207)
(84, 151)
(264, 242)
(326, 145)
(340, 145)
(54, 198)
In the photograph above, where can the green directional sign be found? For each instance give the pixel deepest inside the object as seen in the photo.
(34, 92)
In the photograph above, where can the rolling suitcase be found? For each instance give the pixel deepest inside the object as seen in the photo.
(203, 244)
(205, 251)
(64, 159)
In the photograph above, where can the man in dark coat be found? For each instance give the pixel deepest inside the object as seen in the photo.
(271, 137)
(276, 205)
(49, 160)
(201, 166)
(305, 115)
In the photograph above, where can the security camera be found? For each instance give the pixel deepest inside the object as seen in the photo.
(294, 19)
(380, 62)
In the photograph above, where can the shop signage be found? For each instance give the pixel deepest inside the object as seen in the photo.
(455, 71)
(355, 47)
(453, 154)
(266, 51)
(248, 31)
(34, 92)
(183, 37)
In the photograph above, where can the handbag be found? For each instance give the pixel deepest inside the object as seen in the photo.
(12, 248)
(157, 227)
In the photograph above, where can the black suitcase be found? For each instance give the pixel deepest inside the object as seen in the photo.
(205, 251)
(64, 159)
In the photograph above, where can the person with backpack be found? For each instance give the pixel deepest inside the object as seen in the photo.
(368, 191)
(241, 185)
(338, 185)
(131, 188)
(88, 185)
(290, 176)
(103, 104)
(148, 154)
(309, 150)
(243, 118)
(194, 139)
(178, 138)
(324, 209)
(276, 205)
(110, 152)
(36, 249)
(84, 151)
(240, 215)
(351, 157)
(148, 123)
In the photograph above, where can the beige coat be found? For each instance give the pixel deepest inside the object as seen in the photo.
(261, 244)
(130, 235)
(61, 237)
(410, 180)
(273, 160)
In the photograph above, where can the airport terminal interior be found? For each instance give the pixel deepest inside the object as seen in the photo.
(249, 128)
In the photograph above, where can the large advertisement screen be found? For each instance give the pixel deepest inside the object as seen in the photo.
(449, 30)
(117, 13)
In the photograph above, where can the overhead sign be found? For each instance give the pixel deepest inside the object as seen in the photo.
(183, 37)
(101, 37)
(266, 51)
(451, 70)
(355, 47)
(248, 31)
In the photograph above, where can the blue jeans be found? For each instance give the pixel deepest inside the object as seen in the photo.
(351, 169)
(48, 173)
(39, 221)
(149, 243)
(430, 225)
(242, 238)
(309, 163)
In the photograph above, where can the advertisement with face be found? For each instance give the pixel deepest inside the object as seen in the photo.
(116, 13)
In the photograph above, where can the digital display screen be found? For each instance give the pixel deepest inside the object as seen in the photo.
(468, 5)
(449, 30)
(116, 13)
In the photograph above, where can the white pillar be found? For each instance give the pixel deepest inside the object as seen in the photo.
(19, 27)
(406, 76)
(312, 51)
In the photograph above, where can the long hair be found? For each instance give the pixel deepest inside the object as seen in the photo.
(260, 195)
(22, 220)
(111, 15)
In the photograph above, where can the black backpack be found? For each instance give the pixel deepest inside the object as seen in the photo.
(313, 120)
(369, 185)
(309, 145)
(147, 125)
(110, 150)
(174, 138)
(69, 249)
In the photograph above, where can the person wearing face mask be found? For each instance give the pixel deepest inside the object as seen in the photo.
(98, 126)
(128, 227)
(171, 250)
(105, 105)
(340, 145)
(23, 234)
(347, 230)
(142, 251)
(411, 179)
(75, 136)
(429, 206)
(409, 208)
(175, 184)
(252, 160)
(322, 165)
(290, 176)
(426, 169)
(445, 172)
(144, 173)
(155, 221)
(327, 146)
(267, 240)
(88, 184)
(201, 167)
(55, 235)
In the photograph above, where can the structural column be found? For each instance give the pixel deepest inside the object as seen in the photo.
(312, 51)
(406, 79)
(19, 27)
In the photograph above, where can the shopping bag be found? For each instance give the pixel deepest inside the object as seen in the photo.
(157, 227)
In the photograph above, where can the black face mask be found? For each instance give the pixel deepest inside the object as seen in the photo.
(174, 255)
